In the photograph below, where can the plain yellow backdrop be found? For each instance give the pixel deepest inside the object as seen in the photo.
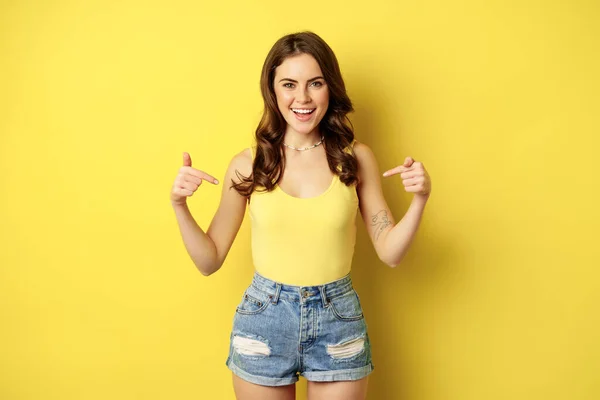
(499, 296)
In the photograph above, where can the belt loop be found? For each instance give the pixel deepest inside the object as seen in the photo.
(324, 298)
(275, 297)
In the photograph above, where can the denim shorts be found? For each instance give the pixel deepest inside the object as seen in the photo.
(283, 331)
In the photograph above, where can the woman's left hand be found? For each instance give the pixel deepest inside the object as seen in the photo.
(414, 177)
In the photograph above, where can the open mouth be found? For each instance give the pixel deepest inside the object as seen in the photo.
(303, 114)
(303, 111)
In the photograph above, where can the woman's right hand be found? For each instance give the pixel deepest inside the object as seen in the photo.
(188, 180)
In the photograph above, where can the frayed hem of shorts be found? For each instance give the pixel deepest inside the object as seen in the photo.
(259, 380)
(339, 375)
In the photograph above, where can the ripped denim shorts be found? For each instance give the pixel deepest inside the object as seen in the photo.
(283, 331)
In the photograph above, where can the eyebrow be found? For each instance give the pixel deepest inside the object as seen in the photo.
(310, 80)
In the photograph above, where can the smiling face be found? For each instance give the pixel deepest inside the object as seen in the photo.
(302, 93)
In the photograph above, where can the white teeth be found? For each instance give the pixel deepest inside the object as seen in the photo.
(302, 111)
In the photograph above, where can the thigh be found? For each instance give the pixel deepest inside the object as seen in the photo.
(339, 390)
(245, 390)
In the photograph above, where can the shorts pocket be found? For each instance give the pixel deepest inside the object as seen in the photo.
(253, 302)
(346, 307)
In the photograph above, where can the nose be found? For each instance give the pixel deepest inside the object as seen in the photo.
(303, 96)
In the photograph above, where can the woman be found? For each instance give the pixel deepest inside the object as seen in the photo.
(303, 183)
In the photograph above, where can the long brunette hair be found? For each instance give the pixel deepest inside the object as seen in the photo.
(269, 160)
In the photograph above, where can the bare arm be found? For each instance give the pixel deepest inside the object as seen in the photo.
(390, 240)
(209, 249)
(199, 246)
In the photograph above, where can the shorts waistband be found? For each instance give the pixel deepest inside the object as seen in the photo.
(302, 294)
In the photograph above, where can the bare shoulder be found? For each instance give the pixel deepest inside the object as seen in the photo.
(244, 158)
(241, 162)
(363, 151)
(367, 163)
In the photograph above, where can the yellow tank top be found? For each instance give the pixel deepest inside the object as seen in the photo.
(304, 241)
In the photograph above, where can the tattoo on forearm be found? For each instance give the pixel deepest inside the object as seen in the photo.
(380, 221)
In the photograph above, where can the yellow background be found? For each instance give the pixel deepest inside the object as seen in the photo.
(497, 298)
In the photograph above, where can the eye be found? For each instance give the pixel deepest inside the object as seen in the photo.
(285, 85)
(317, 83)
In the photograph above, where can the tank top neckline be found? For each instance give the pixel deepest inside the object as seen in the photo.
(294, 198)
(331, 185)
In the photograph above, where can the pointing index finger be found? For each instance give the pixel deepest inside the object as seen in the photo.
(396, 170)
(202, 175)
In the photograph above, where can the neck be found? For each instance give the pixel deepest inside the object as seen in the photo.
(296, 139)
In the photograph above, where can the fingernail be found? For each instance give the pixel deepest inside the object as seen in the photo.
(216, 181)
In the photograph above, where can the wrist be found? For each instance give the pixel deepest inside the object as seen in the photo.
(422, 198)
(179, 204)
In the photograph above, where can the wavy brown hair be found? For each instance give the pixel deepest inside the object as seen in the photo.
(269, 161)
